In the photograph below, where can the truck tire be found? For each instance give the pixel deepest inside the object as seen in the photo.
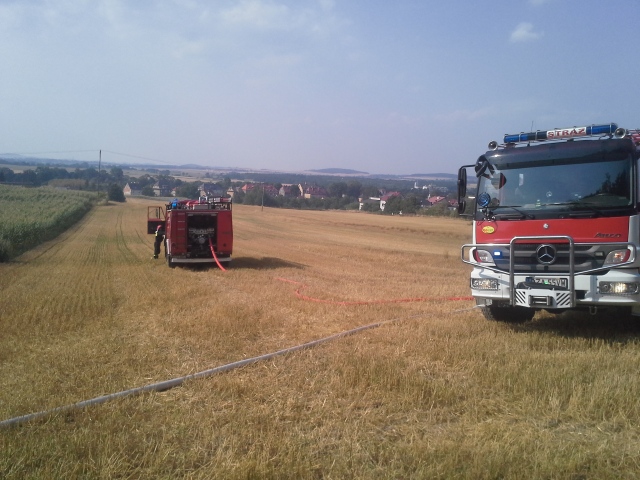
(170, 262)
(507, 313)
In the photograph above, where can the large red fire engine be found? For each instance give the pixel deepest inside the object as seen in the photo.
(556, 222)
(196, 231)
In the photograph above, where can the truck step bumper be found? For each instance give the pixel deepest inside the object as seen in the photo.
(543, 298)
(199, 260)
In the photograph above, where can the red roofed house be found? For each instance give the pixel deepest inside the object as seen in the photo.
(313, 191)
(247, 187)
(266, 187)
(386, 197)
(435, 199)
(270, 190)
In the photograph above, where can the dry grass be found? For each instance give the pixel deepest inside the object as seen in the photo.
(440, 393)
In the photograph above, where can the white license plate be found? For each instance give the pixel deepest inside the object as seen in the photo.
(552, 281)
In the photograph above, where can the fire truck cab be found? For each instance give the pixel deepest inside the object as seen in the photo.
(556, 222)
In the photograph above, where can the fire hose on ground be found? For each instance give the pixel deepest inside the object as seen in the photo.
(169, 384)
(215, 257)
(300, 295)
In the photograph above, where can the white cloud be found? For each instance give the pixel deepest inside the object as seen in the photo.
(111, 10)
(10, 16)
(327, 4)
(259, 14)
(318, 20)
(185, 48)
(524, 33)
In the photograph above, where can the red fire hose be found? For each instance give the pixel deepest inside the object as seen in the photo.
(302, 286)
(215, 257)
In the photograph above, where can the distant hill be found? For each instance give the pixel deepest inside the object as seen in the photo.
(193, 166)
(17, 159)
(339, 171)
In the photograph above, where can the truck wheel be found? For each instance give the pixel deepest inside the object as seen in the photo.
(507, 314)
(170, 262)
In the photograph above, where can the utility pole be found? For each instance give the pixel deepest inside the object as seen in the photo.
(99, 166)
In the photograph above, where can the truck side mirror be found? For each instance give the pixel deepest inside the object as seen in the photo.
(462, 189)
(462, 183)
(462, 206)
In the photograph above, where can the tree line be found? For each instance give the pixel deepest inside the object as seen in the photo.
(342, 194)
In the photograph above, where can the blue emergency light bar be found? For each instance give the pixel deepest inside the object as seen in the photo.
(562, 133)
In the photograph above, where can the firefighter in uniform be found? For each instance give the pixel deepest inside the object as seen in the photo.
(158, 241)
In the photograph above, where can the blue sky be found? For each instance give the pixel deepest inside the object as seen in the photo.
(396, 87)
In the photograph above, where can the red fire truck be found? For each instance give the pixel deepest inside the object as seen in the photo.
(196, 231)
(556, 222)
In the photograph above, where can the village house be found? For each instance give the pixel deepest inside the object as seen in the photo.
(162, 188)
(433, 200)
(312, 191)
(381, 201)
(288, 190)
(270, 190)
(267, 188)
(132, 189)
(211, 190)
(247, 187)
(385, 198)
(367, 201)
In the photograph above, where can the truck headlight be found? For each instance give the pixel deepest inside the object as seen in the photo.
(617, 256)
(484, 284)
(483, 256)
(618, 288)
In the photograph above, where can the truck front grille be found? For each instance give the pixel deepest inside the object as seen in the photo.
(586, 257)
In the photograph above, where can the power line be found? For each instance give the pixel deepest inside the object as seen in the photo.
(49, 153)
(136, 156)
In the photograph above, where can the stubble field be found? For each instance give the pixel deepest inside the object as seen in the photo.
(435, 392)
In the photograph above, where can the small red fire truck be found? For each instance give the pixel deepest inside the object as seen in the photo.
(196, 231)
(556, 222)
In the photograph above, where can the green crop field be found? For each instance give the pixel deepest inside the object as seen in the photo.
(434, 391)
(29, 216)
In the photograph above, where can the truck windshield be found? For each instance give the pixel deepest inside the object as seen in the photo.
(551, 189)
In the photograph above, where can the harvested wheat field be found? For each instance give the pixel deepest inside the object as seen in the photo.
(434, 391)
